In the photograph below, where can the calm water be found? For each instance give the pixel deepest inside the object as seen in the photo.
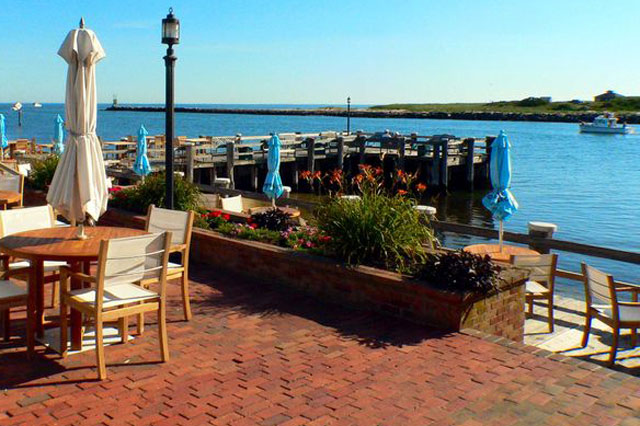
(589, 185)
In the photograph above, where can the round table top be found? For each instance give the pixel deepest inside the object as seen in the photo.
(8, 197)
(61, 243)
(493, 250)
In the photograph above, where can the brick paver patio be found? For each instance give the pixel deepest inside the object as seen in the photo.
(258, 356)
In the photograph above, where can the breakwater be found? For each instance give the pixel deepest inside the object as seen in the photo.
(631, 118)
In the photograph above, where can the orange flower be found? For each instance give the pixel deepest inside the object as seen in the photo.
(358, 178)
(421, 187)
(305, 174)
(364, 167)
(317, 175)
(402, 192)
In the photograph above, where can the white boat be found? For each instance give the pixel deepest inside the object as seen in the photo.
(37, 105)
(606, 124)
(17, 106)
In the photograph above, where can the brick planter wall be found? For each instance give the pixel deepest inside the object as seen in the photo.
(500, 313)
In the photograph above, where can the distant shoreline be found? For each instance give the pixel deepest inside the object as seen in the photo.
(381, 113)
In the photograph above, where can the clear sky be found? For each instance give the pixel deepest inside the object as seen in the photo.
(321, 51)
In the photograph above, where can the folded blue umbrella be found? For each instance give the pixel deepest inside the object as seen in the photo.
(500, 202)
(58, 136)
(273, 183)
(3, 136)
(141, 166)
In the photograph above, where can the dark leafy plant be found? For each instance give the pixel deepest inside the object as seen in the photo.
(459, 271)
(42, 172)
(272, 219)
(152, 191)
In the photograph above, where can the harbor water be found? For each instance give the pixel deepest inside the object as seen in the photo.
(587, 184)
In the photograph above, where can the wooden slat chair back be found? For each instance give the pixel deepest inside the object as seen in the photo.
(11, 296)
(541, 282)
(601, 292)
(118, 291)
(15, 183)
(180, 224)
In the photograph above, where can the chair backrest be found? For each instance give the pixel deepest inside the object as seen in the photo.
(232, 204)
(599, 288)
(132, 259)
(178, 222)
(24, 169)
(20, 220)
(542, 268)
(11, 182)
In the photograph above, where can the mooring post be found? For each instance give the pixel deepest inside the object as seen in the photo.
(189, 159)
(401, 145)
(294, 174)
(340, 162)
(444, 164)
(488, 141)
(311, 154)
(435, 164)
(362, 145)
(542, 230)
(213, 173)
(231, 148)
(470, 144)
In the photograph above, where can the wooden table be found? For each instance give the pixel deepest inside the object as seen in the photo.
(9, 197)
(58, 244)
(493, 250)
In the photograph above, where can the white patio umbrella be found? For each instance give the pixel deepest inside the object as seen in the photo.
(79, 185)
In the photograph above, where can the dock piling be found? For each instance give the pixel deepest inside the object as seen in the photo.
(470, 144)
(231, 148)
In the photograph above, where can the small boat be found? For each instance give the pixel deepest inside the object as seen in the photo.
(37, 105)
(606, 124)
(17, 106)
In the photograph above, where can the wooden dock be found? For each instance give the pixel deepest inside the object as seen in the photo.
(441, 161)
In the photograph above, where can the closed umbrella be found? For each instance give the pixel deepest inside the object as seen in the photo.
(500, 202)
(58, 136)
(3, 136)
(79, 185)
(273, 183)
(141, 165)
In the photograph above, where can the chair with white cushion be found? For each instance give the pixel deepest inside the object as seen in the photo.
(11, 296)
(117, 290)
(232, 204)
(27, 219)
(180, 224)
(14, 183)
(542, 274)
(601, 292)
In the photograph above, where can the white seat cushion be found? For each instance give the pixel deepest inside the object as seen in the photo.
(116, 295)
(61, 224)
(232, 204)
(627, 313)
(172, 265)
(536, 287)
(49, 265)
(9, 290)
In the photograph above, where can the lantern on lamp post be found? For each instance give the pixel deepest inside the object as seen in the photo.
(170, 36)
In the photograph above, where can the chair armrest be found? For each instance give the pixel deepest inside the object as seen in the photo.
(632, 304)
(65, 270)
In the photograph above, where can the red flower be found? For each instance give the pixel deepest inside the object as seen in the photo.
(226, 217)
(115, 189)
(421, 187)
(215, 213)
(253, 225)
(379, 171)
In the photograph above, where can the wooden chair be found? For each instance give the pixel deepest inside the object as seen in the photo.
(10, 296)
(27, 219)
(124, 266)
(542, 273)
(15, 183)
(602, 303)
(180, 224)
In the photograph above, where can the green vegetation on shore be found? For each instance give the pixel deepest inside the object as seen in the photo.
(629, 104)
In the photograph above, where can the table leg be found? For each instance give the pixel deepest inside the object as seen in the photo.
(31, 311)
(76, 316)
(39, 276)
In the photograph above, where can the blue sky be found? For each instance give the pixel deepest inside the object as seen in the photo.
(321, 51)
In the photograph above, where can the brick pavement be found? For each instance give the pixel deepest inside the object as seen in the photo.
(258, 356)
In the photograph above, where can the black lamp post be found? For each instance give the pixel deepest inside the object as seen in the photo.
(170, 36)
(349, 115)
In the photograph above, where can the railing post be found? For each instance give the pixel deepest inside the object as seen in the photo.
(542, 230)
(189, 158)
(470, 144)
(231, 148)
(401, 145)
(340, 158)
(435, 164)
(444, 164)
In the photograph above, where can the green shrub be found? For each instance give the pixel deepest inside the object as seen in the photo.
(42, 172)
(459, 271)
(378, 230)
(152, 191)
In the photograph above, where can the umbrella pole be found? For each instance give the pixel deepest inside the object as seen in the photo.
(500, 235)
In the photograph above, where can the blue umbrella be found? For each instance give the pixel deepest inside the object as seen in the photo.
(500, 202)
(58, 136)
(141, 165)
(3, 136)
(273, 184)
